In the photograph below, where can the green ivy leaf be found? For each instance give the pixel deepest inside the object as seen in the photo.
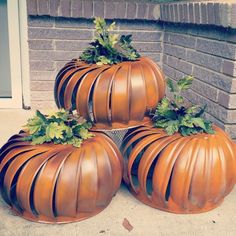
(187, 121)
(84, 133)
(199, 122)
(34, 125)
(108, 47)
(75, 141)
(58, 127)
(173, 116)
(170, 85)
(178, 99)
(163, 106)
(192, 110)
(172, 127)
(161, 123)
(102, 60)
(209, 129)
(54, 130)
(184, 83)
(41, 116)
(201, 111)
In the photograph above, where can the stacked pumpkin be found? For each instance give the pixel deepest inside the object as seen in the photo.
(56, 171)
(60, 169)
(177, 161)
(112, 96)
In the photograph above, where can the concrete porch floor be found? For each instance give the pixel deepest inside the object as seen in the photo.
(145, 220)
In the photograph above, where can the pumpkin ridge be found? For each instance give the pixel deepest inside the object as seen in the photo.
(114, 153)
(108, 98)
(138, 149)
(119, 94)
(137, 103)
(104, 182)
(222, 154)
(27, 174)
(231, 162)
(191, 154)
(145, 163)
(59, 76)
(141, 135)
(82, 98)
(54, 206)
(153, 96)
(63, 82)
(9, 148)
(71, 85)
(172, 152)
(16, 152)
(15, 166)
(79, 177)
(13, 187)
(156, 176)
(43, 194)
(88, 182)
(68, 82)
(159, 76)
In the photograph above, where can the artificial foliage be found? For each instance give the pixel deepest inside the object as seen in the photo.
(173, 115)
(59, 127)
(108, 47)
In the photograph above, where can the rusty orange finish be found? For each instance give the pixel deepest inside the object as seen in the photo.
(179, 174)
(113, 96)
(59, 183)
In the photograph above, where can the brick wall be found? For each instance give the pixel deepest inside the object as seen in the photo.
(54, 41)
(210, 56)
(184, 38)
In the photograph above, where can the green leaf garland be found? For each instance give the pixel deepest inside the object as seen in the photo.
(107, 47)
(59, 127)
(173, 116)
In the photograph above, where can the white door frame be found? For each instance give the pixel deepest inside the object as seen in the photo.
(19, 55)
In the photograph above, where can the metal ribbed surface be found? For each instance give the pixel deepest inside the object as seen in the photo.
(59, 183)
(113, 96)
(179, 174)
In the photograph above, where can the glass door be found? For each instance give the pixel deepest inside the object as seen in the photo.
(10, 63)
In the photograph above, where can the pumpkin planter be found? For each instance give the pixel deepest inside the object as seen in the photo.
(59, 183)
(112, 96)
(179, 174)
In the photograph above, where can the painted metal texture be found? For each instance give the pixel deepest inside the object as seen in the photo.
(179, 174)
(59, 183)
(112, 96)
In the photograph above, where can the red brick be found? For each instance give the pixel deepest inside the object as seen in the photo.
(131, 10)
(88, 9)
(54, 7)
(43, 7)
(142, 10)
(76, 8)
(65, 8)
(210, 13)
(121, 10)
(32, 7)
(99, 9)
(191, 13)
(229, 68)
(204, 19)
(110, 10)
(176, 13)
(197, 13)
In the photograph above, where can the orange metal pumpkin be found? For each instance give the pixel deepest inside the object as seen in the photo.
(59, 183)
(179, 174)
(112, 96)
